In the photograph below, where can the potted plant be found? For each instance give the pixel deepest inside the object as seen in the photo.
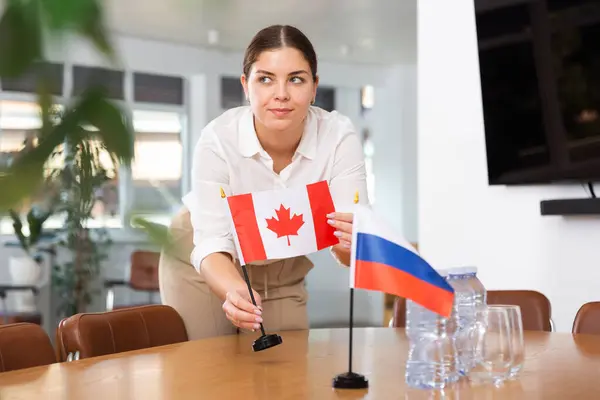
(26, 28)
(82, 178)
(27, 269)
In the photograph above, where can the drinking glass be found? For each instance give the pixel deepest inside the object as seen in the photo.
(493, 347)
(515, 322)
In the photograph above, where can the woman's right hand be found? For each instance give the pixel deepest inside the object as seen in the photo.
(240, 311)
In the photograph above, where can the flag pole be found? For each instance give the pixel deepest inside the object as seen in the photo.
(245, 271)
(264, 341)
(350, 330)
(351, 380)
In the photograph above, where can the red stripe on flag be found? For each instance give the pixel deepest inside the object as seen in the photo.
(321, 204)
(246, 227)
(380, 277)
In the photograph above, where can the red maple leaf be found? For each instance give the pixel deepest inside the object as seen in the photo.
(286, 225)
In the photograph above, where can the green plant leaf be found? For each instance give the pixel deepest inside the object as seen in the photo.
(19, 182)
(93, 26)
(63, 15)
(35, 219)
(20, 37)
(157, 234)
(85, 17)
(18, 227)
(114, 128)
(45, 102)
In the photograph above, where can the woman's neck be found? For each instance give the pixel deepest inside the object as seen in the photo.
(279, 144)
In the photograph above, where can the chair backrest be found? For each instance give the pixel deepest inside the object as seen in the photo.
(587, 319)
(536, 311)
(535, 308)
(399, 318)
(24, 345)
(125, 329)
(144, 270)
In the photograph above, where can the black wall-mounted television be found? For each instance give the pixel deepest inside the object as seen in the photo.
(540, 84)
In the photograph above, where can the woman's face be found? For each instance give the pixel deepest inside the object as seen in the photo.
(280, 88)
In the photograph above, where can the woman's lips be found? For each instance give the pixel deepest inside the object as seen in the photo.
(280, 112)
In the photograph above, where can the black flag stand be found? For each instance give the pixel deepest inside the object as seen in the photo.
(350, 380)
(265, 341)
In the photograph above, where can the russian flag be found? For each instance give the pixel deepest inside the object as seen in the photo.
(383, 261)
(282, 223)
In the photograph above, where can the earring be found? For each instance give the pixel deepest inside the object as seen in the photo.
(312, 102)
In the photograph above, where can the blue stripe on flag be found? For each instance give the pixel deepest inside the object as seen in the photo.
(377, 249)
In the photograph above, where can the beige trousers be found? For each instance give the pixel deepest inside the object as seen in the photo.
(281, 286)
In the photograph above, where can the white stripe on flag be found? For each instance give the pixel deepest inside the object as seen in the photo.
(367, 221)
(267, 205)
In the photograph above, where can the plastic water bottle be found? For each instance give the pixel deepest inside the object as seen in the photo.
(464, 300)
(479, 304)
(480, 300)
(432, 362)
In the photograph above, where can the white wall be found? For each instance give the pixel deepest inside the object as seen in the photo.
(395, 160)
(327, 283)
(462, 220)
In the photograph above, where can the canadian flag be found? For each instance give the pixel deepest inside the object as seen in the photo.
(284, 223)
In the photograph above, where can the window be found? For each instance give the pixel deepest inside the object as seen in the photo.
(154, 184)
(19, 122)
(109, 80)
(232, 93)
(28, 82)
(325, 98)
(156, 172)
(106, 208)
(157, 89)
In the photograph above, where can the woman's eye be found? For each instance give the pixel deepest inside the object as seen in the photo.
(264, 79)
(297, 79)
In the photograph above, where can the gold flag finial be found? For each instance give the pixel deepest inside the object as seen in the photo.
(356, 197)
(223, 193)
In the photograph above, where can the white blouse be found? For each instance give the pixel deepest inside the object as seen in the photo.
(228, 155)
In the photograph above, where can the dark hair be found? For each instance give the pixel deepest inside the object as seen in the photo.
(276, 37)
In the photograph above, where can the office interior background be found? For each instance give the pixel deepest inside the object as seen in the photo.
(181, 63)
(409, 81)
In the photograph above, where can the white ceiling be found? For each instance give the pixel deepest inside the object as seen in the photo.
(372, 31)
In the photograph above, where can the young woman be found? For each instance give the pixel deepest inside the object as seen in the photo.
(278, 140)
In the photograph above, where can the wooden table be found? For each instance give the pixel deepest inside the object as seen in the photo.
(558, 366)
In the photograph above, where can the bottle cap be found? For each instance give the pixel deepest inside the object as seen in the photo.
(470, 270)
(456, 271)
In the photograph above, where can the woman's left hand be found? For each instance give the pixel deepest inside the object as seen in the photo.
(342, 222)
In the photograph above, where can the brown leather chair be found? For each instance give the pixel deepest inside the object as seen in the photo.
(399, 318)
(587, 319)
(143, 277)
(24, 345)
(535, 308)
(536, 311)
(94, 334)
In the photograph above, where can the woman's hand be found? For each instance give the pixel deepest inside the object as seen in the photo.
(240, 311)
(342, 222)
